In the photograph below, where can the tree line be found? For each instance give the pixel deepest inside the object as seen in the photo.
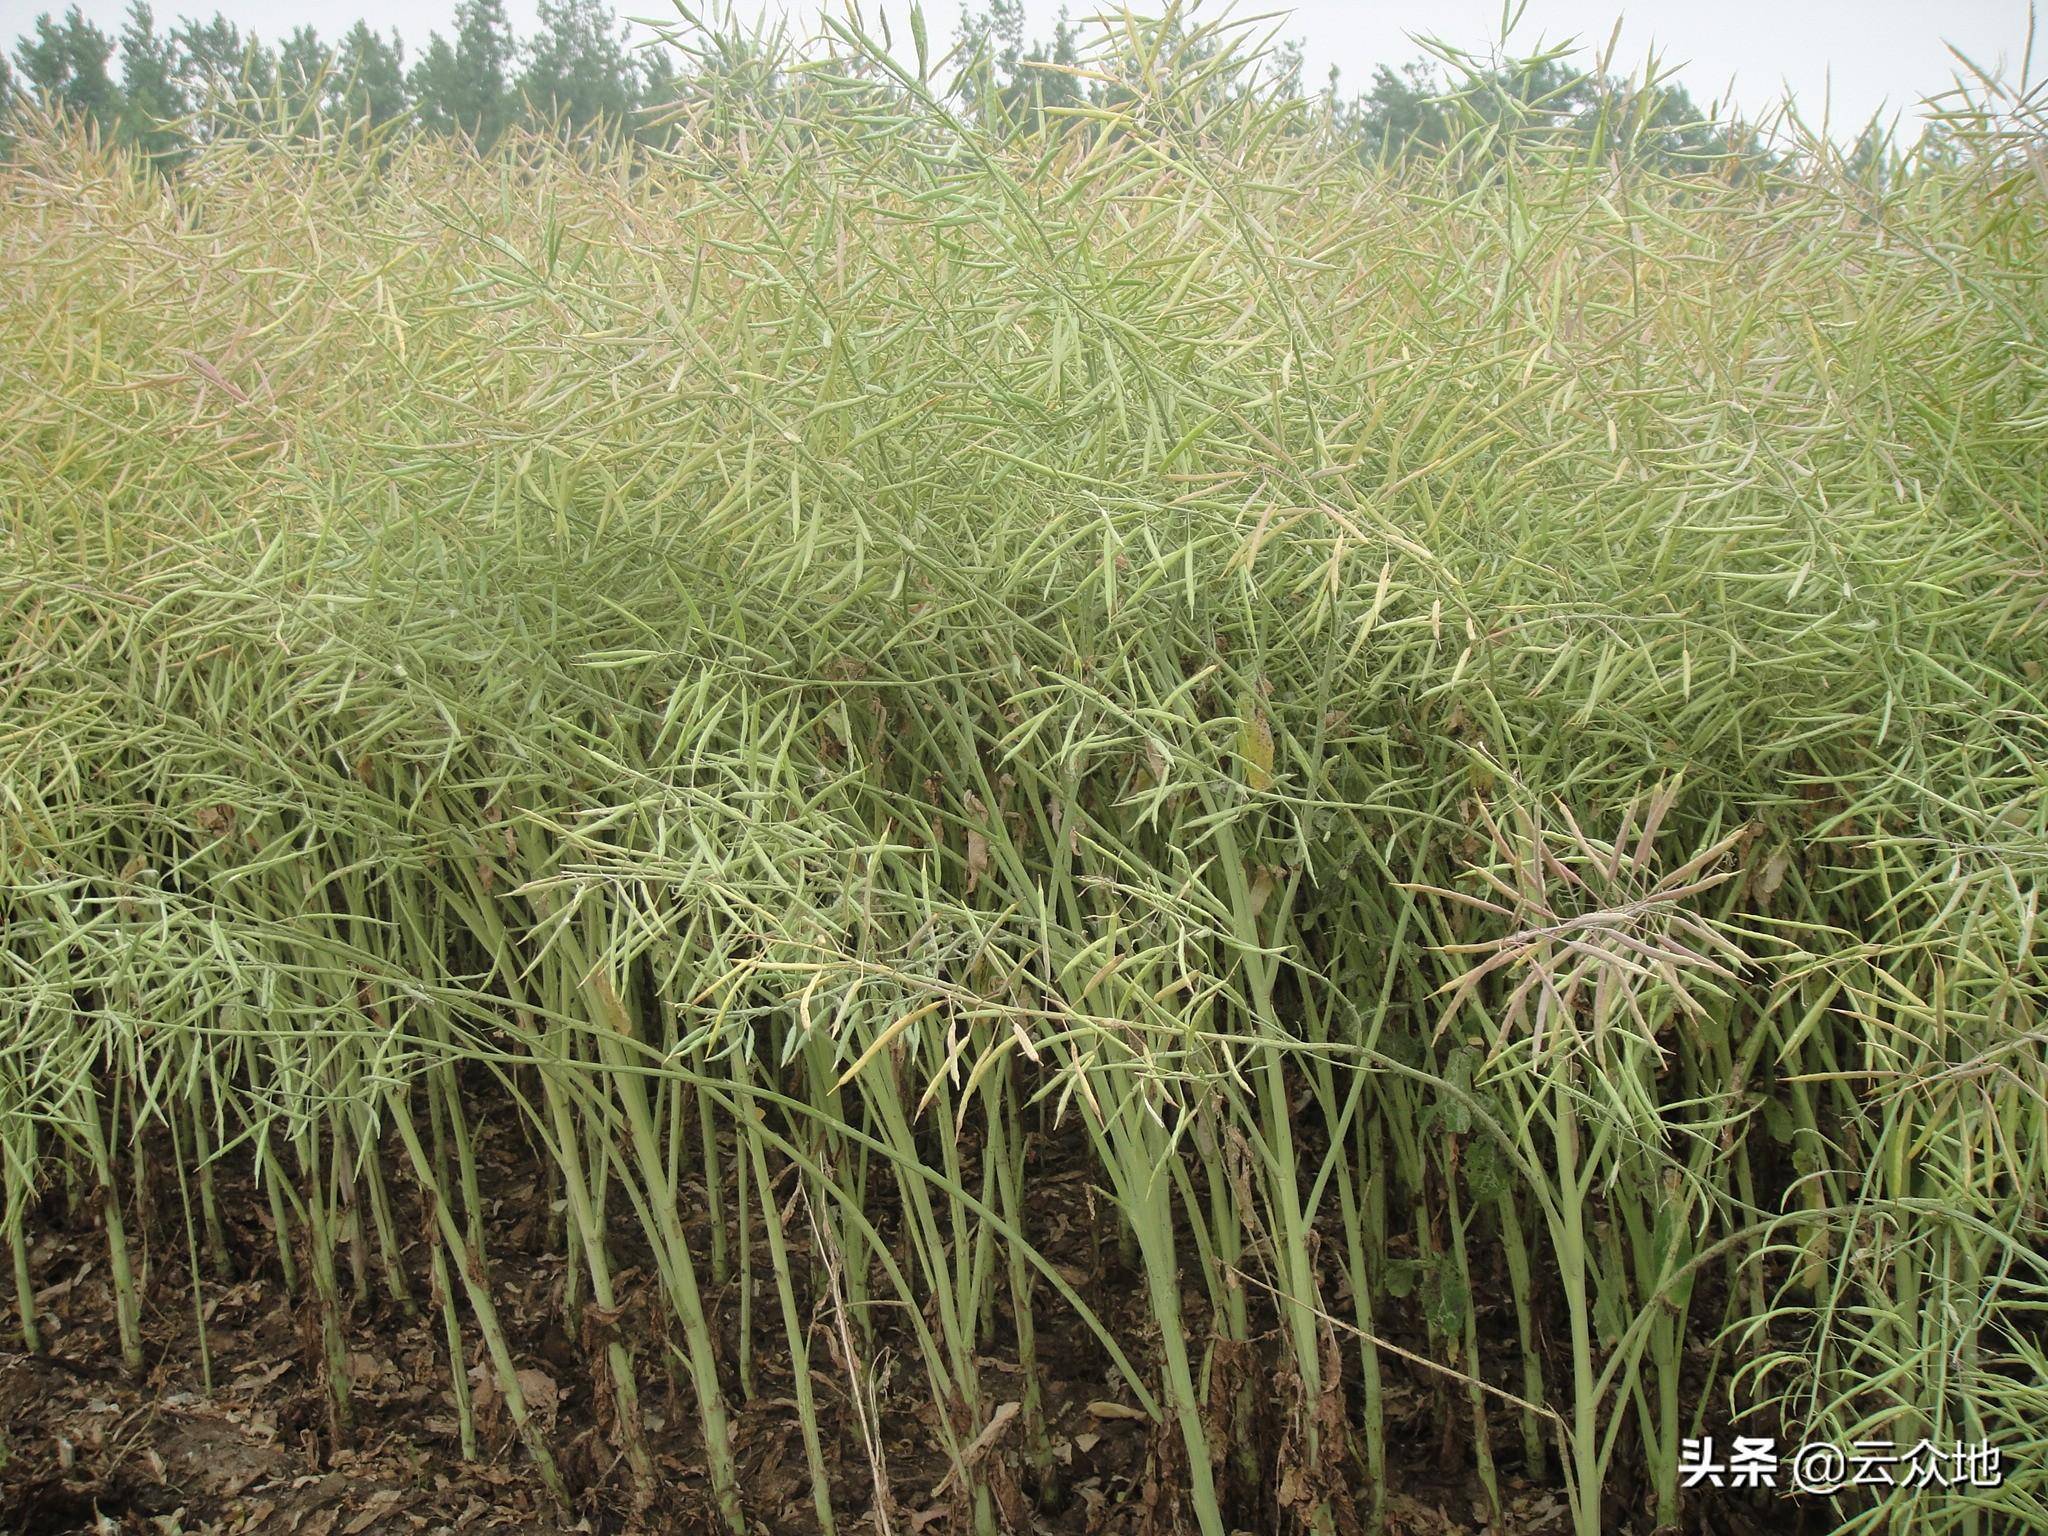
(580, 67)
(159, 88)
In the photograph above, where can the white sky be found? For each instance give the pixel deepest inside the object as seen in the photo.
(1861, 56)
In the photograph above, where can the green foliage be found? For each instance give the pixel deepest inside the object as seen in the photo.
(219, 69)
(464, 85)
(579, 69)
(369, 77)
(1397, 719)
(1401, 113)
(67, 61)
(153, 97)
(1455, 104)
(1013, 83)
(580, 65)
(305, 67)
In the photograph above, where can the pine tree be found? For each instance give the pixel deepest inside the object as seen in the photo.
(369, 77)
(149, 80)
(1039, 87)
(431, 84)
(304, 68)
(1401, 113)
(580, 65)
(466, 85)
(217, 67)
(67, 61)
(1018, 79)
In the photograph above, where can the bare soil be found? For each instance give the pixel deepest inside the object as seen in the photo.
(86, 1448)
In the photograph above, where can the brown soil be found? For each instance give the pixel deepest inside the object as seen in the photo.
(86, 1448)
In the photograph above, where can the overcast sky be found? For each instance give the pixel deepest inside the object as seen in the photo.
(1861, 55)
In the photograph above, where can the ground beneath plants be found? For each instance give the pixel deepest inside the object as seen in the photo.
(86, 1448)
